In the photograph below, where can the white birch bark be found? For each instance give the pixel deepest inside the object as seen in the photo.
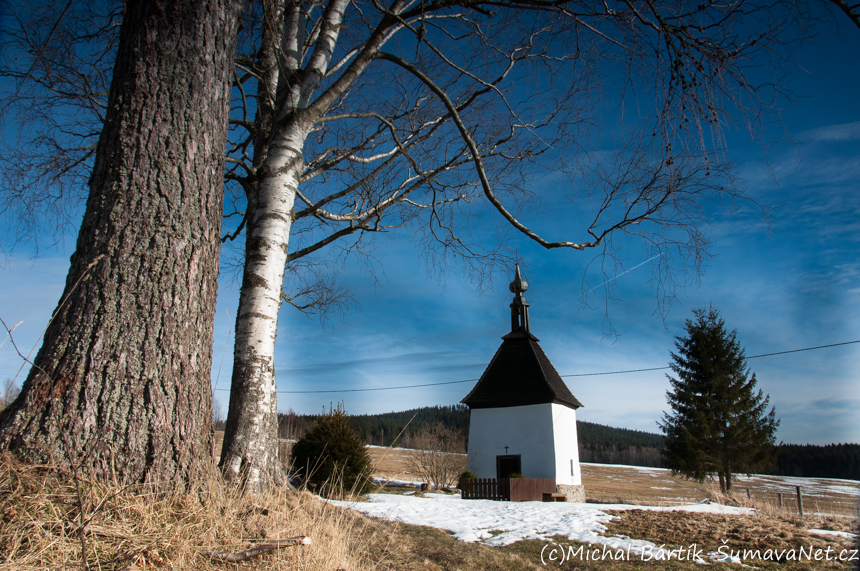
(250, 451)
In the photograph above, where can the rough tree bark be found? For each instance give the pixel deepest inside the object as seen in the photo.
(121, 383)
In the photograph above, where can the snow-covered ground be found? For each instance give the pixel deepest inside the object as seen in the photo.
(664, 471)
(809, 486)
(502, 523)
(834, 533)
(397, 483)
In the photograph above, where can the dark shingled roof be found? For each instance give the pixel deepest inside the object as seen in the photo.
(520, 374)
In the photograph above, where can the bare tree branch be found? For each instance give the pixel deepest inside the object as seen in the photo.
(850, 10)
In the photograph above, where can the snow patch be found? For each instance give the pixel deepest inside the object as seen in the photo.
(831, 532)
(482, 520)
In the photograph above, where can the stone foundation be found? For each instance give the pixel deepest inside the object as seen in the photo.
(573, 493)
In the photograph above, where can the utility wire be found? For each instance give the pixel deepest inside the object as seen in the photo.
(750, 357)
(574, 375)
(806, 349)
(378, 388)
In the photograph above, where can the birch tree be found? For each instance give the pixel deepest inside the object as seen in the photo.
(120, 386)
(437, 119)
(357, 117)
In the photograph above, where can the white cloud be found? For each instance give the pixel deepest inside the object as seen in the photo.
(840, 132)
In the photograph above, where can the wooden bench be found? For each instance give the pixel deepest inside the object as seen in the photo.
(554, 497)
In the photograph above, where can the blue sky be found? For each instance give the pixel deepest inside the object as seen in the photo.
(794, 286)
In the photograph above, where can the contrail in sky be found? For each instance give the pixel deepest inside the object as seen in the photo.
(612, 279)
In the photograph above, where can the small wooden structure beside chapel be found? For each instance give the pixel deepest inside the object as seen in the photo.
(523, 416)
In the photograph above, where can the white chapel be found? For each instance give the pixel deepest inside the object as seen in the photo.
(523, 416)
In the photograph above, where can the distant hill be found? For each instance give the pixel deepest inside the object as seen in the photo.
(597, 443)
(607, 445)
(382, 429)
(813, 461)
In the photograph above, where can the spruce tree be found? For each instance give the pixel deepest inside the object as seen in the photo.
(331, 458)
(719, 424)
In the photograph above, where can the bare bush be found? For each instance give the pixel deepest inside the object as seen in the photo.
(437, 455)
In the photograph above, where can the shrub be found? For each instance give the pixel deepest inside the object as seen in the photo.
(515, 475)
(330, 459)
(437, 454)
(467, 475)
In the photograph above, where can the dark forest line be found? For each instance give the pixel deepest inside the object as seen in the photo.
(597, 443)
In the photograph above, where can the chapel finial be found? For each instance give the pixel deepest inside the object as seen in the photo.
(519, 285)
(519, 306)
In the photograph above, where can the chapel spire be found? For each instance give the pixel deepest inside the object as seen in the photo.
(519, 306)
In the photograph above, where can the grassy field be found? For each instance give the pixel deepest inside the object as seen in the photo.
(607, 483)
(657, 487)
(48, 520)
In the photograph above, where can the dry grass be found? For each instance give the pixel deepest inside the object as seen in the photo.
(657, 487)
(739, 531)
(758, 531)
(134, 528)
(825, 508)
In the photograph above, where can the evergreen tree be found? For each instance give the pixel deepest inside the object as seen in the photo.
(718, 424)
(331, 458)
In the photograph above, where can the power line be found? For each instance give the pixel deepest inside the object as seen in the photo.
(751, 357)
(378, 388)
(615, 372)
(806, 349)
(574, 375)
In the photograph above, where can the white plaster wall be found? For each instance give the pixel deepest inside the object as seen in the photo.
(544, 435)
(526, 430)
(566, 445)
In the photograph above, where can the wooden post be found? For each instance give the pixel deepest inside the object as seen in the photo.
(780, 500)
(748, 494)
(799, 501)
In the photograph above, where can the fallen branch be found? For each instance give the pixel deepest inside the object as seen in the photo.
(260, 549)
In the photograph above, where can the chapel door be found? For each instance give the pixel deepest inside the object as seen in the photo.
(507, 465)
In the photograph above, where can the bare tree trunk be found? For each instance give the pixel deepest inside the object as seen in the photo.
(728, 476)
(250, 437)
(121, 383)
(252, 412)
(249, 453)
